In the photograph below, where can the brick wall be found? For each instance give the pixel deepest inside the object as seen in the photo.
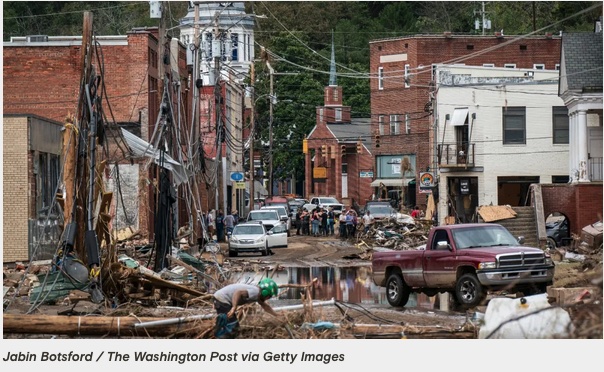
(130, 73)
(395, 98)
(16, 189)
(580, 203)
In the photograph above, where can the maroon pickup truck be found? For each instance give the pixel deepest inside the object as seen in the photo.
(466, 260)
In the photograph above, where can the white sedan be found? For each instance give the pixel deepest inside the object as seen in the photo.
(253, 237)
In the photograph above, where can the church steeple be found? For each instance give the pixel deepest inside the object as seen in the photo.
(332, 67)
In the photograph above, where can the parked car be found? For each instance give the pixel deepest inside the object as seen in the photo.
(328, 202)
(284, 214)
(269, 218)
(558, 232)
(309, 207)
(253, 237)
(380, 210)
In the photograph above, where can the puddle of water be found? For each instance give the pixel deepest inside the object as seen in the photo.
(348, 284)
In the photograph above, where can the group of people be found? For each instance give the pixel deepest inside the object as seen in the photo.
(220, 225)
(318, 222)
(323, 222)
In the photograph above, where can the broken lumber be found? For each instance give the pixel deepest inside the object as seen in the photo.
(97, 326)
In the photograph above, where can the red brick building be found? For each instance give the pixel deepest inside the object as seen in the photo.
(338, 159)
(42, 78)
(402, 95)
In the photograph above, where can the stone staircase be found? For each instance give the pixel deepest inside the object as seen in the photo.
(524, 224)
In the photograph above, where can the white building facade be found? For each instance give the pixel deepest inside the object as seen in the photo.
(224, 29)
(498, 130)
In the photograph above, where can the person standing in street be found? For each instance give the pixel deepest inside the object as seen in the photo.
(342, 221)
(229, 223)
(323, 228)
(298, 220)
(220, 226)
(416, 212)
(330, 221)
(235, 216)
(349, 224)
(305, 222)
(315, 220)
(368, 220)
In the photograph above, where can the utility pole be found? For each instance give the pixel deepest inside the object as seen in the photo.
(270, 132)
(216, 54)
(196, 69)
(483, 18)
(485, 22)
(252, 128)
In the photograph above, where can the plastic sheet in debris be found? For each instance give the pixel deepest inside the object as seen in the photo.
(318, 325)
(530, 317)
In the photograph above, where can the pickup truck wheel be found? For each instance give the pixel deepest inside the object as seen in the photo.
(397, 291)
(551, 243)
(469, 291)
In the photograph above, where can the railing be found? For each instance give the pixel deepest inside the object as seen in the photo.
(456, 155)
(595, 169)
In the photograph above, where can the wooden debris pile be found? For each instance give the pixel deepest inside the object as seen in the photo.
(397, 234)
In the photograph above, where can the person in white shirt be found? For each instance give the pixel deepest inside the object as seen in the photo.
(368, 220)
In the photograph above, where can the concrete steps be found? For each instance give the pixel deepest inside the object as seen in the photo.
(524, 224)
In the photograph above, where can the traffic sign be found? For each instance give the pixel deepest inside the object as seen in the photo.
(236, 176)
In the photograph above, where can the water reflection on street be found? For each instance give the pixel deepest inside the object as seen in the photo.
(347, 284)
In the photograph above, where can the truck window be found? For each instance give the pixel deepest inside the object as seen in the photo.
(439, 236)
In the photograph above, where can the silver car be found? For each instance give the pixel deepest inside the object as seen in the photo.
(253, 237)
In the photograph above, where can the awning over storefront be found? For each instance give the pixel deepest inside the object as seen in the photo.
(391, 182)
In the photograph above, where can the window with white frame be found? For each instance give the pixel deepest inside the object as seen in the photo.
(338, 112)
(380, 78)
(395, 124)
(407, 123)
(321, 115)
(514, 125)
(407, 77)
(560, 124)
(381, 125)
(509, 65)
(335, 94)
(538, 66)
(488, 65)
(557, 67)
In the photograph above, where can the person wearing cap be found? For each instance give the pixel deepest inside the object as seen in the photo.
(230, 297)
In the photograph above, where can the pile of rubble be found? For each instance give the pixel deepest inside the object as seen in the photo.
(585, 248)
(398, 233)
